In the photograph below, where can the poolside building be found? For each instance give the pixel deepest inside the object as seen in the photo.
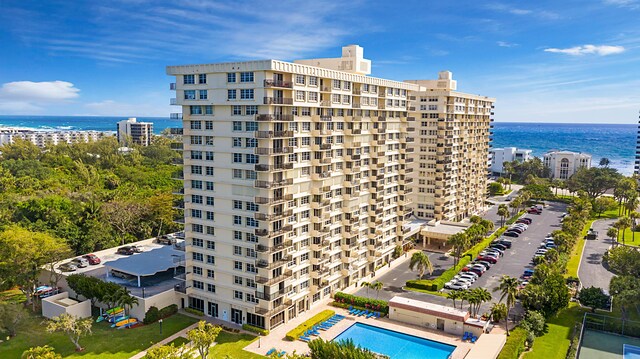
(297, 179)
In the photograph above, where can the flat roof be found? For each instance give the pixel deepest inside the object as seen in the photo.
(428, 308)
(158, 259)
(444, 228)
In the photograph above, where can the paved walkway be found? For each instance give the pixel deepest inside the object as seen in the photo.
(592, 272)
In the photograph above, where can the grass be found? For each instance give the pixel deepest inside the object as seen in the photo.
(12, 296)
(629, 237)
(105, 342)
(178, 341)
(229, 344)
(554, 344)
(610, 214)
(574, 261)
(438, 293)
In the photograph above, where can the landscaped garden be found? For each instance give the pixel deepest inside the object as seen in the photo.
(105, 342)
(230, 345)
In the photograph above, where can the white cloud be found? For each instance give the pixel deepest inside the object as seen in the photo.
(601, 50)
(506, 44)
(508, 9)
(30, 97)
(631, 4)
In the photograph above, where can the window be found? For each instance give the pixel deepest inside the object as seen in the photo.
(237, 158)
(209, 184)
(237, 173)
(236, 142)
(197, 242)
(312, 97)
(210, 201)
(335, 98)
(189, 79)
(251, 110)
(237, 265)
(210, 273)
(197, 256)
(306, 126)
(237, 126)
(196, 198)
(196, 155)
(251, 174)
(197, 270)
(198, 228)
(237, 204)
(211, 259)
(237, 220)
(251, 298)
(196, 213)
(203, 94)
(236, 110)
(252, 158)
(196, 140)
(246, 77)
(246, 94)
(237, 250)
(313, 81)
(189, 94)
(252, 207)
(202, 78)
(195, 110)
(251, 126)
(211, 288)
(237, 294)
(251, 268)
(300, 96)
(336, 84)
(251, 142)
(231, 94)
(211, 245)
(196, 170)
(252, 222)
(208, 171)
(237, 235)
(198, 284)
(231, 77)
(208, 155)
(196, 125)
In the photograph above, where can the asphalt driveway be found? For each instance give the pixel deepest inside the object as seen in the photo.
(592, 272)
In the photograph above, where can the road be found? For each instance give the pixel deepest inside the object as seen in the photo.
(592, 272)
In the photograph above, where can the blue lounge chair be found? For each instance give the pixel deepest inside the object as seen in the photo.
(364, 313)
(273, 350)
(473, 339)
(281, 354)
(377, 314)
(350, 307)
(465, 337)
(355, 312)
(303, 338)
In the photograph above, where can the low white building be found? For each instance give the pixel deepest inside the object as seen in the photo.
(499, 156)
(44, 138)
(563, 164)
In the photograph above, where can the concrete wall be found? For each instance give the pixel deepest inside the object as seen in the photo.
(52, 309)
(425, 320)
(159, 301)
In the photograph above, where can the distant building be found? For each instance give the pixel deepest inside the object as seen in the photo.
(139, 133)
(508, 154)
(564, 164)
(44, 138)
(637, 166)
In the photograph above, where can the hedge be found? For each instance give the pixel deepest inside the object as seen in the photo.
(363, 302)
(194, 311)
(257, 330)
(309, 323)
(514, 345)
(153, 314)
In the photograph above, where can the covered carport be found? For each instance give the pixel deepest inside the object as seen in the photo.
(147, 263)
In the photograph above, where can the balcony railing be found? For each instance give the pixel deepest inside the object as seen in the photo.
(273, 184)
(275, 167)
(262, 248)
(270, 281)
(276, 83)
(275, 117)
(175, 116)
(273, 200)
(273, 151)
(272, 217)
(278, 101)
(273, 134)
(270, 265)
(269, 312)
(172, 86)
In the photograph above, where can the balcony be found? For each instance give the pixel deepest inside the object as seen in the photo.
(273, 134)
(262, 248)
(270, 281)
(268, 312)
(173, 101)
(178, 191)
(176, 146)
(178, 176)
(175, 116)
(275, 83)
(274, 216)
(273, 200)
(172, 86)
(271, 265)
(320, 176)
(273, 151)
(273, 184)
(275, 117)
(325, 118)
(275, 167)
(278, 101)
(272, 296)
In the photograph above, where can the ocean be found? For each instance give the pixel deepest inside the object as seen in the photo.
(613, 141)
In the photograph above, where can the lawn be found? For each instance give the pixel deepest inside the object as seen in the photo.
(230, 346)
(12, 296)
(613, 213)
(554, 344)
(178, 341)
(574, 261)
(629, 237)
(106, 342)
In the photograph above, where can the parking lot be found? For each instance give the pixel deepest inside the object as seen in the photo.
(514, 262)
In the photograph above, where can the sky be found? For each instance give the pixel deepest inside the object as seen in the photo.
(544, 61)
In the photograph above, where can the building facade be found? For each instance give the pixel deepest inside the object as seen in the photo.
(563, 164)
(451, 153)
(45, 138)
(296, 181)
(498, 156)
(139, 133)
(636, 169)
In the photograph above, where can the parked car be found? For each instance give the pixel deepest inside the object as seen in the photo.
(528, 273)
(526, 220)
(468, 275)
(126, 250)
(511, 234)
(503, 242)
(515, 229)
(118, 274)
(80, 262)
(456, 285)
(92, 258)
(67, 267)
(494, 251)
(485, 264)
(534, 211)
(499, 246)
(477, 269)
(523, 284)
(542, 251)
(489, 253)
(165, 239)
(489, 259)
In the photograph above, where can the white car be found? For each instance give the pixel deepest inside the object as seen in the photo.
(541, 252)
(489, 254)
(456, 285)
(472, 277)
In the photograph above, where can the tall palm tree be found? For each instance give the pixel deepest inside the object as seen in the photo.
(377, 285)
(633, 216)
(482, 295)
(126, 300)
(503, 212)
(459, 241)
(515, 204)
(509, 290)
(612, 233)
(421, 262)
(366, 285)
(622, 224)
(453, 295)
(464, 295)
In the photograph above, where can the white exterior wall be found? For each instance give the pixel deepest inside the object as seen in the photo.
(44, 138)
(508, 154)
(52, 309)
(425, 320)
(563, 164)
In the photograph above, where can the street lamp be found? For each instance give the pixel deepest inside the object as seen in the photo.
(160, 321)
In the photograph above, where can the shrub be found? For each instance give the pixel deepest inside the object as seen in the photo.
(534, 322)
(594, 297)
(169, 311)
(152, 315)
(514, 345)
(257, 330)
(309, 323)
(194, 311)
(367, 303)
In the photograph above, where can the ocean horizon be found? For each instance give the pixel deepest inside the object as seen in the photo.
(616, 142)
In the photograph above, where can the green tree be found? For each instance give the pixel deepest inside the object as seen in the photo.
(612, 233)
(503, 212)
(603, 204)
(593, 297)
(11, 315)
(453, 295)
(498, 312)
(398, 251)
(623, 260)
(481, 295)
(168, 352)
(604, 162)
(74, 327)
(203, 337)
(459, 242)
(496, 189)
(20, 150)
(377, 286)
(91, 288)
(343, 349)
(366, 285)
(43, 352)
(534, 322)
(508, 291)
(23, 253)
(421, 262)
(622, 224)
(549, 297)
(593, 181)
(126, 300)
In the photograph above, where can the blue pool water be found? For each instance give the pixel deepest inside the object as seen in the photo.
(631, 352)
(394, 344)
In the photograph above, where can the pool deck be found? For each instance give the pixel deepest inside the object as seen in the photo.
(275, 339)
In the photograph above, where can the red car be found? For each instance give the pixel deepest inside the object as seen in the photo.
(534, 211)
(92, 258)
(489, 259)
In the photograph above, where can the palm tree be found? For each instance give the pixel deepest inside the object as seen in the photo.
(480, 295)
(633, 215)
(453, 295)
(515, 204)
(509, 290)
(622, 224)
(366, 285)
(126, 300)
(503, 212)
(464, 295)
(377, 285)
(421, 262)
(498, 312)
(612, 233)
(459, 241)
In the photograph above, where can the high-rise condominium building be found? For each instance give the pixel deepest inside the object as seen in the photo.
(296, 181)
(451, 153)
(139, 133)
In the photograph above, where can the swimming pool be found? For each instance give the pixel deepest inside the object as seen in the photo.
(630, 352)
(394, 344)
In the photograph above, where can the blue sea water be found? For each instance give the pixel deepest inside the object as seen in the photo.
(395, 344)
(614, 141)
